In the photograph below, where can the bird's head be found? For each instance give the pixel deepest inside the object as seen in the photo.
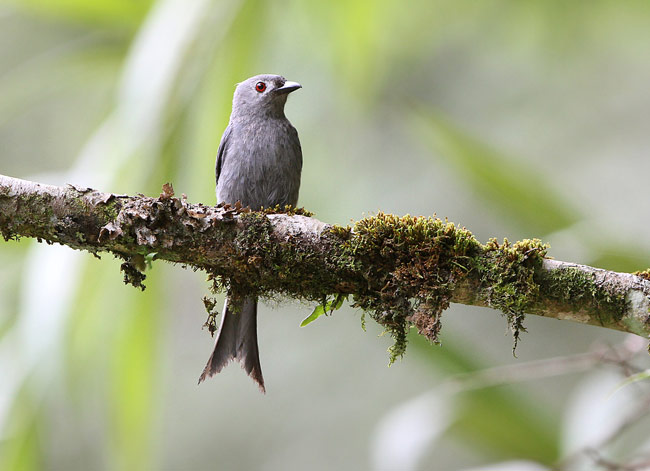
(262, 95)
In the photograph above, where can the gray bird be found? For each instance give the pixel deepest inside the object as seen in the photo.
(258, 163)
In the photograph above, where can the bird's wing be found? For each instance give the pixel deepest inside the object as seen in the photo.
(221, 153)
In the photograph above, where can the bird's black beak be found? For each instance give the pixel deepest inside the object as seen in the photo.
(288, 87)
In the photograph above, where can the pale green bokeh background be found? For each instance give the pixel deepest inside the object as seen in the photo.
(513, 118)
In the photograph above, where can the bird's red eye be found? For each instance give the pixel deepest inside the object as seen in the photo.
(260, 86)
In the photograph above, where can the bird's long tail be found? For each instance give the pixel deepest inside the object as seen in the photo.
(237, 340)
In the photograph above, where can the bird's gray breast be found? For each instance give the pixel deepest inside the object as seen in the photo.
(261, 164)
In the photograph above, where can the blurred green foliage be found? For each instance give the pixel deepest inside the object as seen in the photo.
(111, 13)
(529, 121)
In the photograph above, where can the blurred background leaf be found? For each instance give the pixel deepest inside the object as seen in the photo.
(108, 13)
(506, 184)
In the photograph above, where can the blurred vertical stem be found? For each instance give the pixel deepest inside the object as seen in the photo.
(133, 378)
(23, 451)
(132, 148)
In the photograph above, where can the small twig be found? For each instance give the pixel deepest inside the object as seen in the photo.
(594, 451)
(557, 366)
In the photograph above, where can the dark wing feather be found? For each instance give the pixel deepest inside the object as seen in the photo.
(221, 153)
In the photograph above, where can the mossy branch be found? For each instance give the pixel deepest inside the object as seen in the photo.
(402, 270)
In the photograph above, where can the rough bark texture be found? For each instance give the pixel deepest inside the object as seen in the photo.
(404, 271)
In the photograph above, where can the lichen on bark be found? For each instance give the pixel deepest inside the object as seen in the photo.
(403, 271)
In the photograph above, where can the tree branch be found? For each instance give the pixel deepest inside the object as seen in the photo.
(402, 270)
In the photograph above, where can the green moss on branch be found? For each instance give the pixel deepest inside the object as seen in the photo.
(406, 270)
(403, 271)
